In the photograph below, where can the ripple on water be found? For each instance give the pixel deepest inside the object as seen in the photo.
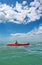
(11, 52)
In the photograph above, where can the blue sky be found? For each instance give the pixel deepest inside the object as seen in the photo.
(20, 20)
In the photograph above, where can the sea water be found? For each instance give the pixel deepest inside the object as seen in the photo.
(29, 55)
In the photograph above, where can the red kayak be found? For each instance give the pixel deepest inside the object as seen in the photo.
(24, 44)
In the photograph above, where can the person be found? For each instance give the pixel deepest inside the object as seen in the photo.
(16, 42)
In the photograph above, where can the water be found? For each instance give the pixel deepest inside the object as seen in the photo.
(29, 55)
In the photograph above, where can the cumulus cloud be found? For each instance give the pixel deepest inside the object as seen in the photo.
(20, 11)
(19, 35)
(36, 31)
(35, 34)
(24, 3)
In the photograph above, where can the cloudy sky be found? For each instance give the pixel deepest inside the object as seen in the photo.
(21, 20)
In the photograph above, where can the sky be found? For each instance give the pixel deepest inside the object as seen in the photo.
(21, 20)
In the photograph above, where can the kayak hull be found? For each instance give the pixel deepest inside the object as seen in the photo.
(25, 44)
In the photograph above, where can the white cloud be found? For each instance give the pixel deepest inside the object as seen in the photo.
(24, 2)
(18, 13)
(34, 35)
(2, 16)
(39, 31)
(35, 3)
(34, 32)
(18, 35)
(18, 7)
